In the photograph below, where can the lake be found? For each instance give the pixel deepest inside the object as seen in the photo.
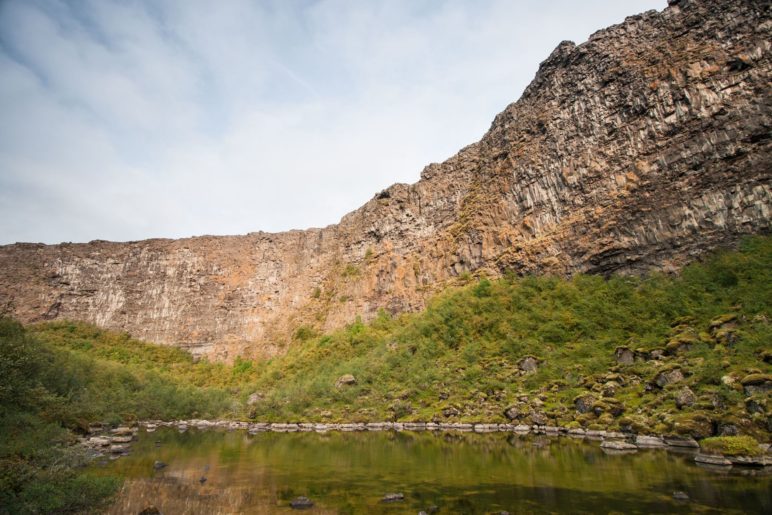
(443, 472)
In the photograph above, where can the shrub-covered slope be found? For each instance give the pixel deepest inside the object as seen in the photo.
(687, 353)
(56, 379)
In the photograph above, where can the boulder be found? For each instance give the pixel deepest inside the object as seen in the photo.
(583, 403)
(99, 441)
(158, 465)
(517, 412)
(755, 405)
(751, 461)
(624, 356)
(667, 377)
(649, 441)
(150, 510)
(393, 497)
(618, 445)
(539, 419)
(528, 364)
(345, 380)
(450, 411)
(122, 431)
(685, 397)
(681, 441)
(728, 380)
(657, 354)
(756, 383)
(711, 459)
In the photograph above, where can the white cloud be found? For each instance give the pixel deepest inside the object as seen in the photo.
(129, 120)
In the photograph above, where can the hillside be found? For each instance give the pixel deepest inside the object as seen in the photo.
(686, 355)
(640, 149)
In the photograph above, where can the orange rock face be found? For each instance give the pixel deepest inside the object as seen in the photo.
(642, 148)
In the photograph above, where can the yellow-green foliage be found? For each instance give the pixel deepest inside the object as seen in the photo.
(731, 445)
(464, 348)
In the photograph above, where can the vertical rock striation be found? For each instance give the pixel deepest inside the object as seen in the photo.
(642, 148)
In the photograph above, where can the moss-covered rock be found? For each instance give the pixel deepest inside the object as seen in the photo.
(584, 403)
(624, 356)
(685, 397)
(668, 376)
(681, 342)
(731, 446)
(722, 320)
(756, 383)
(697, 425)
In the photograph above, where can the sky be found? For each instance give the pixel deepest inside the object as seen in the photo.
(130, 119)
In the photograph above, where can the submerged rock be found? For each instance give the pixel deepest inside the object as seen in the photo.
(618, 445)
(681, 441)
(711, 459)
(301, 503)
(649, 441)
(680, 496)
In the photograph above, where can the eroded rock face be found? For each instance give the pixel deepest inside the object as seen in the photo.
(642, 148)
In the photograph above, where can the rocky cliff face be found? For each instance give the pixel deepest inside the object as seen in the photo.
(642, 148)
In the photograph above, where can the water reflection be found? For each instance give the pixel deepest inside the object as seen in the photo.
(457, 473)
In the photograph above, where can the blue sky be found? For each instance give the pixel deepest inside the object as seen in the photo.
(126, 120)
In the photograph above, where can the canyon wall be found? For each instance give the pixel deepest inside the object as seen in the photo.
(640, 149)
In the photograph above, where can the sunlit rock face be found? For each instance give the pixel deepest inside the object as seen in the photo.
(640, 149)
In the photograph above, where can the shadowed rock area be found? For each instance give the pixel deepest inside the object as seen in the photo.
(640, 149)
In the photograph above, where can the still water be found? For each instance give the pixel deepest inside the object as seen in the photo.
(454, 472)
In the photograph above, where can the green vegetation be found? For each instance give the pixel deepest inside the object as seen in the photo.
(459, 359)
(59, 377)
(696, 349)
(731, 445)
(350, 271)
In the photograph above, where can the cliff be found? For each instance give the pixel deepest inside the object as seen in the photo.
(642, 148)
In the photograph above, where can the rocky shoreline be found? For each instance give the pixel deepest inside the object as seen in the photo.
(116, 442)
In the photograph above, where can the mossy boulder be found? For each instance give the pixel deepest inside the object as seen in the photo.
(685, 397)
(584, 403)
(528, 364)
(667, 377)
(681, 342)
(731, 446)
(756, 383)
(345, 380)
(517, 412)
(613, 407)
(697, 425)
(722, 321)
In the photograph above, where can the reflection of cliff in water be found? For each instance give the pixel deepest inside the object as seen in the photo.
(459, 473)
